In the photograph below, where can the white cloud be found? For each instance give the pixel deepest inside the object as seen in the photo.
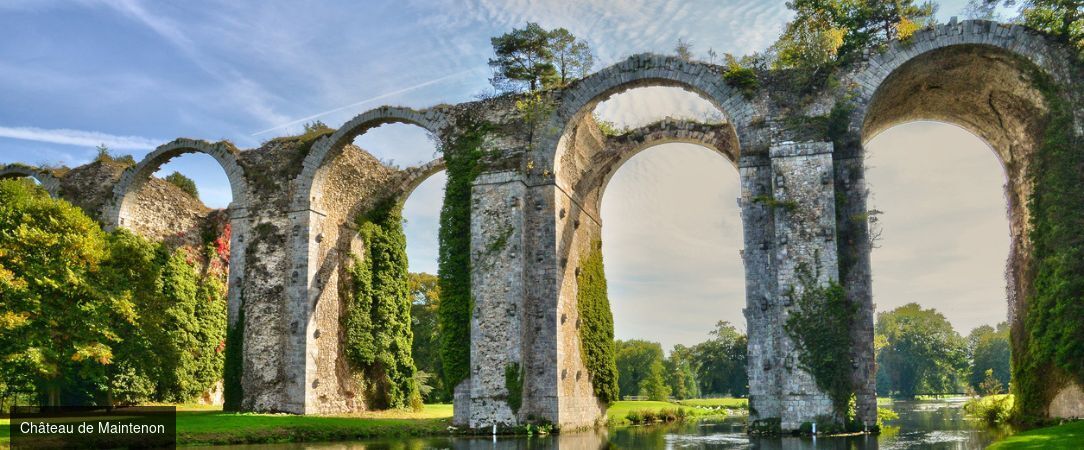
(80, 138)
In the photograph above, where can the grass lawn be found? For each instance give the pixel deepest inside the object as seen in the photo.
(619, 410)
(201, 425)
(733, 403)
(1068, 436)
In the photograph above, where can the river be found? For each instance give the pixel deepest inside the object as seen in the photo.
(923, 424)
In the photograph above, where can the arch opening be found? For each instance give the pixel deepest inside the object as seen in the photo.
(354, 181)
(994, 94)
(942, 237)
(658, 249)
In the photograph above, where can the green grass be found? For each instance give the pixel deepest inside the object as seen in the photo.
(732, 403)
(201, 425)
(618, 411)
(1068, 436)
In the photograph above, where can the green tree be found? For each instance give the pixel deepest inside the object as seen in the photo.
(184, 183)
(425, 304)
(654, 385)
(54, 317)
(533, 58)
(720, 361)
(826, 31)
(923, 354)
(680, 373)
(522, 56)
(990, 351)
(635, 363)
(572, 57)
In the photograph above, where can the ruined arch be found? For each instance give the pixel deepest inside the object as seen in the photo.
(575, 104)
(718, 138)
(118, 213)
(50, 183)
(983, 77)
(322, 233)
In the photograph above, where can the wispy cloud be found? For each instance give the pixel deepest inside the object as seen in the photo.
(362, 102)
(79, 138)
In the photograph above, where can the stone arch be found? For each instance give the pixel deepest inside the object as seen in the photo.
(719, 138)
(322, 231)
(116, 213)
(575, 104)
(980, 76)
(50, 183)
(136, 176)
(326, 149)
(415, 176)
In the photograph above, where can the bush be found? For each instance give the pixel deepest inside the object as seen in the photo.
(184, 183)
(993, 409)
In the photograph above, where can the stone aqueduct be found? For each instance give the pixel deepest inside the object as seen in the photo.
(292, 216)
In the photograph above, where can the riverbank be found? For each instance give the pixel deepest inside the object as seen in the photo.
(1067, 436)
(208, 426)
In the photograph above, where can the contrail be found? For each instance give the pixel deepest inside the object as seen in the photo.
(368, 100)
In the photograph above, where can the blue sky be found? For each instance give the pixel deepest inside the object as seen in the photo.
(135, 74)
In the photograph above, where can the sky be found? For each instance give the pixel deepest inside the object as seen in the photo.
(135, 74)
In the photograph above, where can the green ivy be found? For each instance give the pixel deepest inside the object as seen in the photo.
(513, 381)
(232, 389)
(376, 325)
(1051, 344)
(461, 157)
(820, 325)
(596, 328)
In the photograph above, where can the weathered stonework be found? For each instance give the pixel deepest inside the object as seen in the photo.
(535, 211)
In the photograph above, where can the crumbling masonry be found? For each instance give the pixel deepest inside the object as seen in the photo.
(294, 202)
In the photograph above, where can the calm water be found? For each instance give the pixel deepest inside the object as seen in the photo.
(933, 424)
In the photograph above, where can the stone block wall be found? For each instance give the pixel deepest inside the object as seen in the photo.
(498, 284)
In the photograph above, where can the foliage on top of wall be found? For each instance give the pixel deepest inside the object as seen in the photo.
(377, 334)
(1053, 315)
(596, 325)
(462, 154)
(820, 325)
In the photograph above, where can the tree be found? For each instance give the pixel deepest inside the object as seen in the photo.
(720, 361)
(425, 302)
(523, 56)
(1062, 18)
(653, 385)
(923, 354)
(826, 31)
(636, 361)
(534, 57)
(54, 317)
(680, 374)
(184, 183)
(990, 353)
(572, 57)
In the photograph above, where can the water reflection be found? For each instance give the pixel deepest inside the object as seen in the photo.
(934, 425)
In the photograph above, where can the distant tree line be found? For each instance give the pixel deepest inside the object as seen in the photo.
(918, 352)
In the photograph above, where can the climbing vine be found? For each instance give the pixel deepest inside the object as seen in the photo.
(232, 389)
(461, 157)
(377, 320)
(513, 381)
(1053, 315)
(596, 327)
(820, 324)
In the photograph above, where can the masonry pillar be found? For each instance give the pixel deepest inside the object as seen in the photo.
(803, 200)
(498, 289)
(760, 310)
